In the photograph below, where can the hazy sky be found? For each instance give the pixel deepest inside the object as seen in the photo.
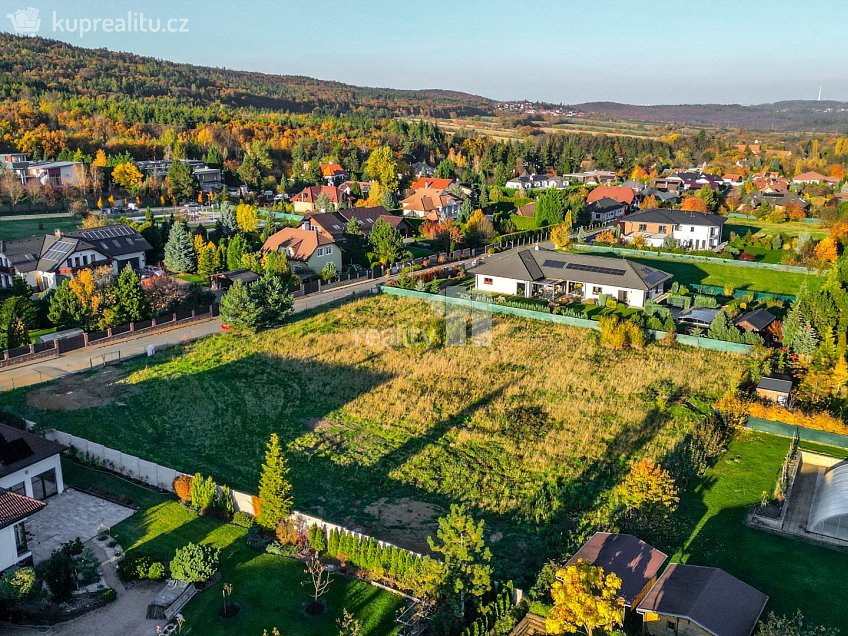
(646, 52)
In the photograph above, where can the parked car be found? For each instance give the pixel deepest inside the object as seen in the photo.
(151, 270)
(132, 206)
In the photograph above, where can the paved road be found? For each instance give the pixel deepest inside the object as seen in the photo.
(83, 359)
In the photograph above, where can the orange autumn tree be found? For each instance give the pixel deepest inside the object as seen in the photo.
(827, 250)
(585, 600)
(694, 204)
(649, 202)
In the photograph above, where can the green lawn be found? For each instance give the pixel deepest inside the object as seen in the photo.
(418, 252)
(795, 575)
(736, 276)
(32, 227)
(268, 588)
(194, 279)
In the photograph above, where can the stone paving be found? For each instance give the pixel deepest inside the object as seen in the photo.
(69, 515)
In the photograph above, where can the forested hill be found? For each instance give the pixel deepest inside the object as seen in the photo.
(799, 115)
(32, 66)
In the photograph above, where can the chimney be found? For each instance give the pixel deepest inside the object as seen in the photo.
(57, 233)
(536, 247)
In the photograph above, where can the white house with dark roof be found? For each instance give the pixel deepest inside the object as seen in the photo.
(691, 230)
(30, 472)
(43, 260)
(543, 272)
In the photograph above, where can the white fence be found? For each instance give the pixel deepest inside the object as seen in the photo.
(163, 477)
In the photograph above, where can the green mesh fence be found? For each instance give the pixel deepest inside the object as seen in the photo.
(788, 430)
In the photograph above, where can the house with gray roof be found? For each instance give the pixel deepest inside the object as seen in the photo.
(546, 273)
(42, 261)
(700, 601)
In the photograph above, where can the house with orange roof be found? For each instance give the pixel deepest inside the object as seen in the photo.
(622, 194)
(431, 204)
(304, 201)
(733, 178)
(333, 173)
(305, 249)
(430, 183)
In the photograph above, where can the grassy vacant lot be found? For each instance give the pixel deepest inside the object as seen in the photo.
(762, 227)
(712, 532)
(31, 227)
(531, 431)
(268, 588)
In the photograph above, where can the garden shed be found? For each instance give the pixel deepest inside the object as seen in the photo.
(774, 389)
(829, 514)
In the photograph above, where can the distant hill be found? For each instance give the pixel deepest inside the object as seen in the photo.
(798, 115)
(32, 65)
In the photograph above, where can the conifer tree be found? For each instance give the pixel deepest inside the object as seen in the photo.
(274, 488)
(179, 250)
(130, 300)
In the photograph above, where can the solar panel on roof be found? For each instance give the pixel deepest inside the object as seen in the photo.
(14, 451)
(553, 264)
(596, 269)
(58, 251)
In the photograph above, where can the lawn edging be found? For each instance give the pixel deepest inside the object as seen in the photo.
(671, 256)
(583, 323)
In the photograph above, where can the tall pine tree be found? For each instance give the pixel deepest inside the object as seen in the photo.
(274, 488)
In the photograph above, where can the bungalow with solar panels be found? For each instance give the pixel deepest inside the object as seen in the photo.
(545, 273)
(30, 472)
(43, 260)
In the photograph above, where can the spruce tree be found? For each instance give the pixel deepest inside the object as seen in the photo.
(235, 250)
(131, 302)
(275, 494)
(228, 218)
(179, 250)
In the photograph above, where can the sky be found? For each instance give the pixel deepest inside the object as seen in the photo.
(567, 51)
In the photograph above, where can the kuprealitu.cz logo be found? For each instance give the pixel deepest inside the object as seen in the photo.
(28, 22)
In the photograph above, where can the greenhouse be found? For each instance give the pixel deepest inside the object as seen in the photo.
(829, 515)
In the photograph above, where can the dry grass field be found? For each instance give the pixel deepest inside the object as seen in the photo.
(382, 435)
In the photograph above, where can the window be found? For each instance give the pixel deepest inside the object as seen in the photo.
(21, 539)
(320, 251)
(44, 485)
(677, 228)
(692, 229)
(19, 488)
(663, 229)
(642, 227)
(597, 290)
(328, 250)
(487, 281)
(713, 231)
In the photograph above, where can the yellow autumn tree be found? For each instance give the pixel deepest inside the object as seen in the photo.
(561, 235)
(100, 160)
(247, 218)
(649, 203)
(606, 238)
(648, 486)
(585, 599)
(128, 176)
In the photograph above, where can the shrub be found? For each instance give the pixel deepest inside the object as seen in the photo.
(17, 583)
(194, 563)
(58, 573)
(224, 501)
(137, 566)
(746, 256)
(107, 595)
(243, 519)
(286, 532)
(182, 486)
(202, 492)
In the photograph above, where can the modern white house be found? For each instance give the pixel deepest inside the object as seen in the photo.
(546, 273)
(44, 260)
(30, 472)
(691, 230)
(526, 181)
